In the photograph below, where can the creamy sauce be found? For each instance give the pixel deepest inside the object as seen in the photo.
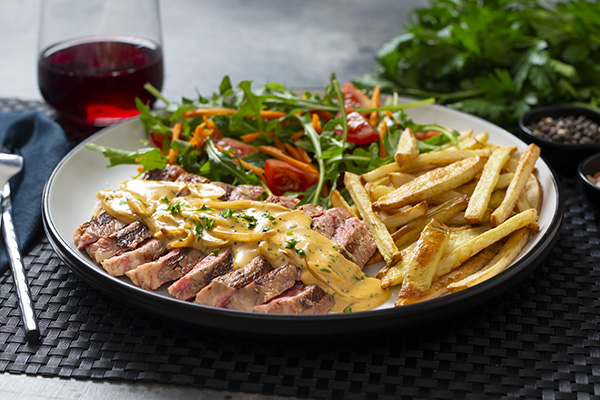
(190, 215)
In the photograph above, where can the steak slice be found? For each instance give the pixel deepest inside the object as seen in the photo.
(241, 192)
(264, 288)
(169, 173)
(355, 238)
(311, 210)
(330, 220)
(285, 201)
(188, 177)
(300, 299)
(148, 251)
(101, 225)
(171, 266)
(202, 274)
(127, 238)
(221, 288)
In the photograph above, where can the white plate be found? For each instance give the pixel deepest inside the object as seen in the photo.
(69, 200)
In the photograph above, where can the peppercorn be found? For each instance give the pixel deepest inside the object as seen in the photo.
(570, 129)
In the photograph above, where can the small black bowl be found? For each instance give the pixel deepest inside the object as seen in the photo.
(563, 157)
(590, 166)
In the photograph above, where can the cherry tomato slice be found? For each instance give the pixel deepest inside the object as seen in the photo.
(282, 177)
(157, 138)
(241, 149)
(354, 97)
(360, 131)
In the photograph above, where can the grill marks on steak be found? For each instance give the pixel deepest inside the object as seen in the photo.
(218, 292)
(285, 201)
(202, 274)
(299, 299)
(125, 239)
(264, 288)
(101, 225)
(173, 265)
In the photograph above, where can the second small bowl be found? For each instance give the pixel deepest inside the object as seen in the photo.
(563, 157)
(591, 191)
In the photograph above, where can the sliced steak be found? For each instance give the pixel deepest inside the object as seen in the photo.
(171, 266)
(286, 201)
(221, 288)
(246, 192)
(191, 178)
(202, 274)
(330, 220)
(148, 251)
(355, 238)
(169, 173)
(311, 210)
(126, 239)
(264, 288)
(299, 299)
(101, 225)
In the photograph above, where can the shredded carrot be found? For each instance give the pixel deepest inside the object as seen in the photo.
(250, 137)
(389, 114)
(175, 134)
(374, 104)
(293, 152)
(140, 169)
(258, 171)
(304, 155)
(297, 136)
(200, 134)
(316, 123)
(279, 144)
(325, 192)
(209, 112)
(275, 152)
(382, 131)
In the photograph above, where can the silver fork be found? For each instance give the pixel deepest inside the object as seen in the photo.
(11, 165)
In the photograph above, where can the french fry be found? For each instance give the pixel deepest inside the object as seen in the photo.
(504, 180)
(531, 196)
(431, 184)
(377, 191)
(392, 275)
(507, 254)
(471, 247)
(408, 149)
(404, 216)
(422, 262)
(398, 179)
(524, 169)
(337, 200)
(445, 157)
(439, 287)
(443, 212)
(478, 203)
(380, 172)
(385, 243)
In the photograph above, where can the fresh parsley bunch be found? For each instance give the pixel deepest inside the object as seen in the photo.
(496, 58)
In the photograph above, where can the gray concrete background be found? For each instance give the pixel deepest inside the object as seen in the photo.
(295, 42)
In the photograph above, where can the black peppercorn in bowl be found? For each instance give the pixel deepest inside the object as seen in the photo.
(588, 175)
(565, 134)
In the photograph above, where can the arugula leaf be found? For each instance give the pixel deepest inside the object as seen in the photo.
(149, 158)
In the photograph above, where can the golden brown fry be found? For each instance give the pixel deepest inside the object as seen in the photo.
(445, 157)
(504, 180)
(410, 232)
(438, 287)
(478, 204)
(408, 149)
(380, 172)
(524, 169)
(466, 250)
(400, 178)
(377, 191)
(532, 195)
(422, 262)
(431, 184)
(507, 254)
(337, 200)
(382, 237)
(404, 216)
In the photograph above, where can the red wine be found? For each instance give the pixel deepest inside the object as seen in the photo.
(95, 81)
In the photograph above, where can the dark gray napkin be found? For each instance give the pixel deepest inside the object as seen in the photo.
(42, 143)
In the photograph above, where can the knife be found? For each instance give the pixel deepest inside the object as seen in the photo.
(30, 324)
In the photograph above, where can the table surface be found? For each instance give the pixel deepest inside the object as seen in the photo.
(298, 43)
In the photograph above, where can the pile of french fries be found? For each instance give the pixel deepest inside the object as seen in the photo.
(449, 219)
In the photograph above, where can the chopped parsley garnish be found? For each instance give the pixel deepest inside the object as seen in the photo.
(301, 252)
(348, 309)
(227, 213)
(268, 216)
(216, 252)
(326, 270)
(291, 244)
(199, 229)
(204, 207)
(266, 228)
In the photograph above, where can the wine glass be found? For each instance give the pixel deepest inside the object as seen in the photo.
(95, 56)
